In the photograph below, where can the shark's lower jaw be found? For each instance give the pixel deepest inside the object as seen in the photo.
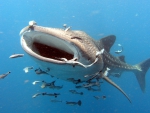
(52, 52)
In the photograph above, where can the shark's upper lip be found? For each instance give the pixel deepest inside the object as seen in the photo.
(46, 47)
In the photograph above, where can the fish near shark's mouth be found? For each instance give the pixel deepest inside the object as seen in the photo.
(47, 47)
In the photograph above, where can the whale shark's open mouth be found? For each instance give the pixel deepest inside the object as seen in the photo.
(47, 47)
(50, 51)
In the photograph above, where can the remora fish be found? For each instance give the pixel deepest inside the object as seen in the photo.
(4, 75)
(74, 54)
(51, 94)
(16, 55)
(74, 103)
(75, 92)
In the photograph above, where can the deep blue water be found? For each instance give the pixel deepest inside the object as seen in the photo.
(128, 20)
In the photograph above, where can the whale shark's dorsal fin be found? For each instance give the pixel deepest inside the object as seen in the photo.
(122, 58)
(107, 42)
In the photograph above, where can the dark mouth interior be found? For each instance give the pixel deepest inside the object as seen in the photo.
(50, 52)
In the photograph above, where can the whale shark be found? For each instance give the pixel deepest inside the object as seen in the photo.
(74, 55)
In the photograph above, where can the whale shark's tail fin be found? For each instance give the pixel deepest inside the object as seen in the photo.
(140, 73)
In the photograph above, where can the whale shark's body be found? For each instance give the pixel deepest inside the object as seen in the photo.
(75, 55)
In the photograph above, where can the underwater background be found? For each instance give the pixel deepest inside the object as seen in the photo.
(128, 20)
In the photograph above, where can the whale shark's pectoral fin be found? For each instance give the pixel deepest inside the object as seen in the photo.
(115, 85)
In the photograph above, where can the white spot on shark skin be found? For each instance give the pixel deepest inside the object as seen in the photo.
(99, 52)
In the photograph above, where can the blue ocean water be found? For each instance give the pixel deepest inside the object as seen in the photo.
(128, 20)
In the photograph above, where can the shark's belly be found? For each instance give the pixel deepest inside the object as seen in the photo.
(67, 71)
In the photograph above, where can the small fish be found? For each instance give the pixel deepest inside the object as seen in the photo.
(78, 87)
(119, 51)
(75, 92)
(4, 75)
(65, 26)
(43, 85)
(97, 97)
(37, 94)
(16, 55)
(93, 89)
(50, 94)
(94, 76)
(56, 101)
(40, 71)
(26, 69)
(51, 84)
(35, 82)
(74, 81)
(91, 84)
(86, 76)
(104, 97)
(74, 103)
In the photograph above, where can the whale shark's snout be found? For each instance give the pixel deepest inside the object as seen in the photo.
(68, 53)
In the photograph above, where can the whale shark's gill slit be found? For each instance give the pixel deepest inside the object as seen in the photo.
(50, 52)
